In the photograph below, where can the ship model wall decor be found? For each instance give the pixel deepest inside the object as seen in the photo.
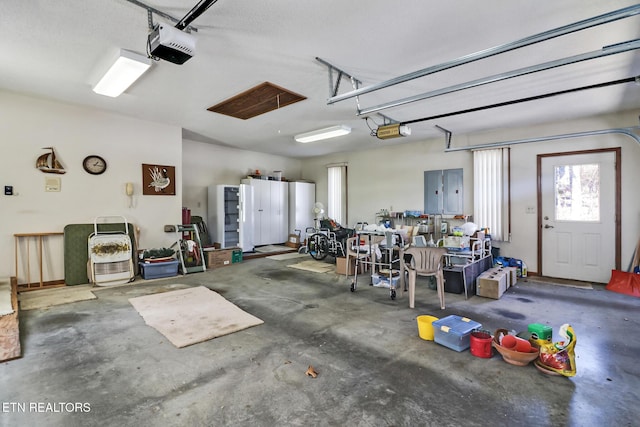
(48, 163)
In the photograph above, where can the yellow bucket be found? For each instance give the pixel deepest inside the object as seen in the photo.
(425, 327)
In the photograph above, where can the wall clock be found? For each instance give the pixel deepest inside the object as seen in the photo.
(95, 165)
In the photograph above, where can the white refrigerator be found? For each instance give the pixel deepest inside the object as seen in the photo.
(230, 216)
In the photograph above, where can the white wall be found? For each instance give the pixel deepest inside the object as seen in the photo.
(392, 177)
(383, 177)
(206, 164)
(28, 124)
(389, 177)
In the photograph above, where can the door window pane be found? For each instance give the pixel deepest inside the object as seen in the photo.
(577, 192)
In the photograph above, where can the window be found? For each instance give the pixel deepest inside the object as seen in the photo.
(577, 192)
(490, 182)
(336, 192)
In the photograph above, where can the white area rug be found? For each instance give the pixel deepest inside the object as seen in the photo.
(283, 257)
(33, 300)
(273, 248)
(190, 316)
(315, 266)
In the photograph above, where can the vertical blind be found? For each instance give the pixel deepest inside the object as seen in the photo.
(490, 191)
(337, 177)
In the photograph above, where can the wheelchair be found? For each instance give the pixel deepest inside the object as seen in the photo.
(329, 239)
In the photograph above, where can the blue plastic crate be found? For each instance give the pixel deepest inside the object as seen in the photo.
(155, 270)
(454, 332)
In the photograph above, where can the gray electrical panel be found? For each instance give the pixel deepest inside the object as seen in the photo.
(443, 192)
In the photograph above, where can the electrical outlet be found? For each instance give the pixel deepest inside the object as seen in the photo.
(169, 228)
(530, 210)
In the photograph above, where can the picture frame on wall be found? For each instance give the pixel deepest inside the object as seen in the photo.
(158, 180)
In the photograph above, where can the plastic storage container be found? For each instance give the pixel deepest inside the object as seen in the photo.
(454, 332)
(540, 331)
(385, 282)
(375, 279)
(155, 270)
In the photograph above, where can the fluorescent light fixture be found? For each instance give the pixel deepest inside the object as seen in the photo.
(124, 71)
(326, 133)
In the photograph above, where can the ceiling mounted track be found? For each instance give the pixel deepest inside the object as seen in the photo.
(527, 41)
(631, 132)
(181, 24)
(197, 10)
(150, 10)
(605, 51)
(334, 83)
(635, 80)
(335, 78)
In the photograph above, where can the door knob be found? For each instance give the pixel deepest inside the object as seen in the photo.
(548, 226)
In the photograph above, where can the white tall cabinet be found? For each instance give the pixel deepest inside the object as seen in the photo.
(270, 211)
(302, 197)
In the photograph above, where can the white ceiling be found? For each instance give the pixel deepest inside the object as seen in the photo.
(56, 49)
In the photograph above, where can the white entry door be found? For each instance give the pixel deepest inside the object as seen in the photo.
(578, 216)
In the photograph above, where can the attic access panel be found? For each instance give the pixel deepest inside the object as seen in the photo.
(258, 100)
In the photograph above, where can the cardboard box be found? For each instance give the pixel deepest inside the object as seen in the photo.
(220, 257)
(342, 268)
(491, 284)
(293, 241)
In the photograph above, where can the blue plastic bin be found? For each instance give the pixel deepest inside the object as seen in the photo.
(454, 332)
(156, 270)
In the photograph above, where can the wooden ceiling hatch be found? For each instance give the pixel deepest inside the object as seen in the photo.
(258, 100)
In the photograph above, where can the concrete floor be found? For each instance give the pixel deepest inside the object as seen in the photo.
(373, 368)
